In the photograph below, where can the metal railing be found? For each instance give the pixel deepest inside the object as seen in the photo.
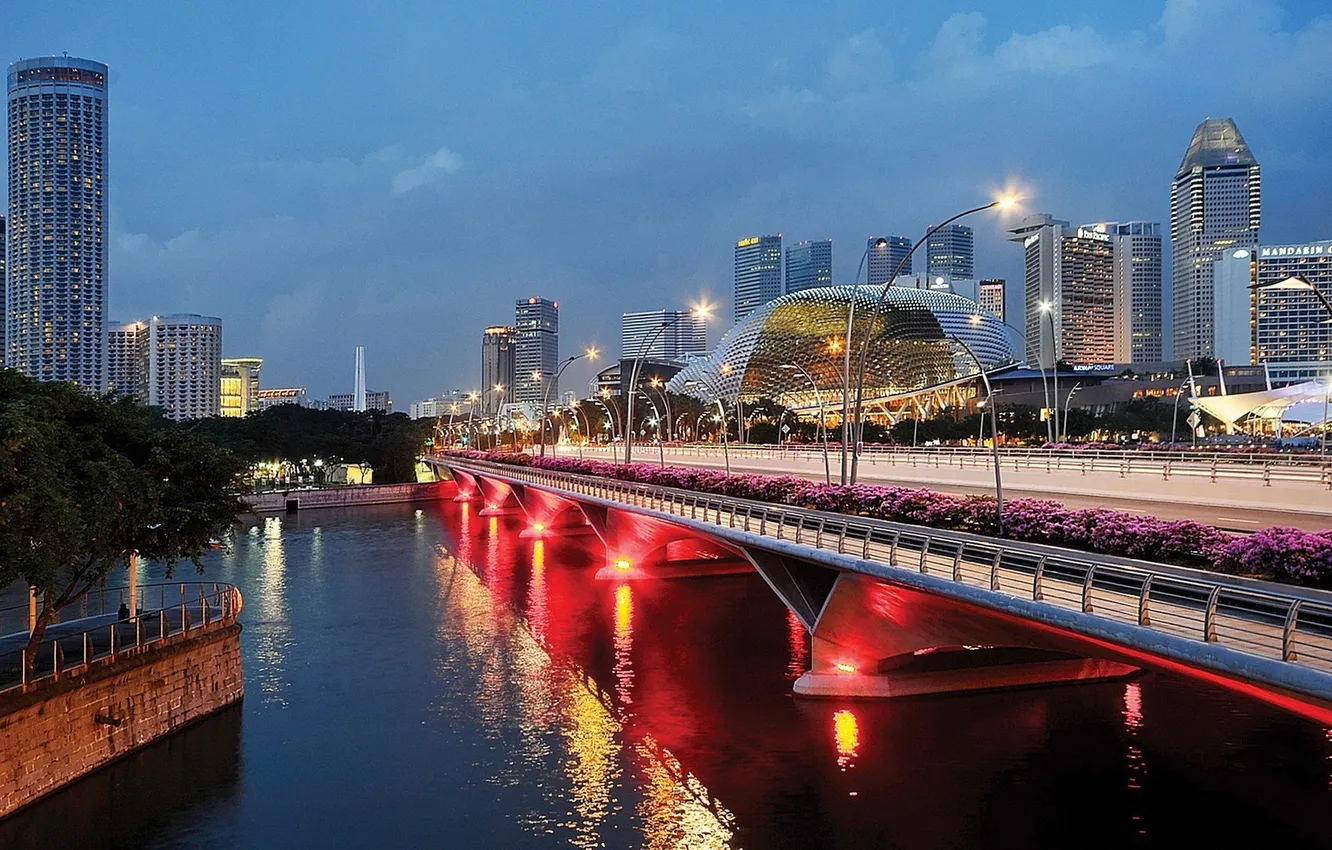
(1285, 623)
(72, 646)
(1211, 466)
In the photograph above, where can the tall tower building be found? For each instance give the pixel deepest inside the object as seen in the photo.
(185, 365)
(358, 381)
(1138, 285)
(127, 360)
(1215, 206)
(240, 386)
(758, 273)
(809, 265)
(992, 295)
(951, 253)
(497, 367)
(4, 286)
(883, 258)
(56, 285)
(1070, 290)
(682, 333)
(537, 351)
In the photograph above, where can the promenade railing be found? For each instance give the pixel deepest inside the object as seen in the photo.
(1261, 618)
(91, 631)
(1212, 466)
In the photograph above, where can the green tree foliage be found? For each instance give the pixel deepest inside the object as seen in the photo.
(390, 443)
(84, 481)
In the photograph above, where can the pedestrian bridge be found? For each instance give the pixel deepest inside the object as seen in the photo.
(897, 610)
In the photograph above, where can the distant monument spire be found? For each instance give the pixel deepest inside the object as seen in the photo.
(358, 385)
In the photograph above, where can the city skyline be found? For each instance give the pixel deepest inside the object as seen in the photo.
(262, 239)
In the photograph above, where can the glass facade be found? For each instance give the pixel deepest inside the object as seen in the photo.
(809, 265)
(537, 350)
(884, 258)
(758, 273)
(951, 253)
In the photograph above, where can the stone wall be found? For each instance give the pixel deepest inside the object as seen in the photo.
(63, 730)
(345, 497)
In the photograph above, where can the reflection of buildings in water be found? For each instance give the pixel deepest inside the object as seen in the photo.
(273, 626)
(797, 661)
(516, 677)
(624, 644)
(846, 737)
(1137, 766)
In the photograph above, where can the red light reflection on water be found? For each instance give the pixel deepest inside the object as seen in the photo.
(1137, 766)
(624, 644)
(798, 642)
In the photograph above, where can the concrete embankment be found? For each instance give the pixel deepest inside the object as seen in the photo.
(347, 497)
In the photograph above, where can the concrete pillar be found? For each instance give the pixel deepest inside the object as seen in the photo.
(133, 559)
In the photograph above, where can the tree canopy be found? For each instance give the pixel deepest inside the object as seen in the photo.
(85, 480)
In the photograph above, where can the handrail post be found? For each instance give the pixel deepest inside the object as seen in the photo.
(1209, 617)
(924, 556)
(1144, 601)
(957, 562)
(1037, 581)
(1288, 632)
(1087, 589)
(994, 569)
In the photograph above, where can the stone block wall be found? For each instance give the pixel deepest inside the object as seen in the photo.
(63, 730)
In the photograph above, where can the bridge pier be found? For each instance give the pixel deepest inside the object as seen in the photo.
(468, 488)
(640, 547)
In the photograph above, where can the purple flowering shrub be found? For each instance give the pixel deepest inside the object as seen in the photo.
(1284, 554)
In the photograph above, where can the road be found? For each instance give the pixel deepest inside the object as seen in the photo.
(1242, 505)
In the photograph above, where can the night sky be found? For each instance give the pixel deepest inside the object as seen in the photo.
(395, 174)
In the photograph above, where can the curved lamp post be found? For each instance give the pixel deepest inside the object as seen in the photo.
(612, 425)
(846, 347)
(1068, 403)
(823, 416)
(1002, 203)
(1047, 311)
(994, 431)
(591, 354)
(721, 418)
(656, 384)
(701, 311)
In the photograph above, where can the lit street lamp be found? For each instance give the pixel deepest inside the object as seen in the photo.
(994, 431)
(1003, 203)
(823, 416)
(591, 354)
(1047, 311)
(701, 311)
(1068, 403)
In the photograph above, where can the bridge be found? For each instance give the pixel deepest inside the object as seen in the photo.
(1237, 492)
(897, 610)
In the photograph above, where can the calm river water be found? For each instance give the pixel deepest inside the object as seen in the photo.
(424, 678)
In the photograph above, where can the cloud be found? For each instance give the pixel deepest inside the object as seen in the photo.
(1055, 50)
(436, 166)
(859, 60)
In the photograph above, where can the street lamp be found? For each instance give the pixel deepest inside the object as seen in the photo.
(1068, 403)
(846, 348)
(611, 424)
(1003, 203)
(700, 311)
(1047, 311)
(591, 354)
(660, 386)
(823, 415)
(721, 418)
(994, 433)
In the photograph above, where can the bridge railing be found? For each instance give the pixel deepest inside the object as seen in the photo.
(1285, 623)
(1211, 466)
(160, 612)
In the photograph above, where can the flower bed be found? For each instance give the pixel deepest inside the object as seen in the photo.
(1282, 554)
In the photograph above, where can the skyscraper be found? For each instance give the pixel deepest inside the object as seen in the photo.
(1215, 206)
(537, 351)
(240, 386)
(497, 368)
(951, 253)
(127, 360)
(185, 365)
(3, 287)
(56, 286)
(1137, 246)
(883, 258)
(683, 332)
(758, 272)
(993, 296)
(1070, 289)
(358, 382)
(809, 265)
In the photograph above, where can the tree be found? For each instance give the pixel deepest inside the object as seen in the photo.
(84, 481)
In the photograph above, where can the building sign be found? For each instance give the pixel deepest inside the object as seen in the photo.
(1094, 235)
(1093, 367)
(1031, 240)
(1315, 250)
(745, 243)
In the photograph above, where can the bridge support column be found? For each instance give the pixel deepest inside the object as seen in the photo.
(639, 547)
(468, 489)
(499, 497)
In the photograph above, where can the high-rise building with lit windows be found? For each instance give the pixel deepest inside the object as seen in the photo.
(55, 287)
(127, 360)
(1215, 208)
(663, 335)
(240, 386)
(497, 367)
(1070, 292)
(951, 253)
(992, 296)
(1138, 284)
(884, 257)
(809, 265)
(758, 273)
(185, 365)
(536, 354)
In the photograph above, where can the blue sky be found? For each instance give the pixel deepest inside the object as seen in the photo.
(396, 174)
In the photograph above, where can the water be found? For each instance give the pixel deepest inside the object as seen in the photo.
(424, 678)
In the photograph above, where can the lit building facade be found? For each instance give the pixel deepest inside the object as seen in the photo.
(279, 396)
(56, 233)
(1215, 207)
(992, 295)
(127, 360)
(1072, 272)
(1284, 329)
(537, 350)
(346, 402)
(185, 365)
(4, 286)
(808, 265)
(951, 252)
(497, 367)
(758, 273)
(682, 333)
(240, 386)
(883, 259)
(1138, 290)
